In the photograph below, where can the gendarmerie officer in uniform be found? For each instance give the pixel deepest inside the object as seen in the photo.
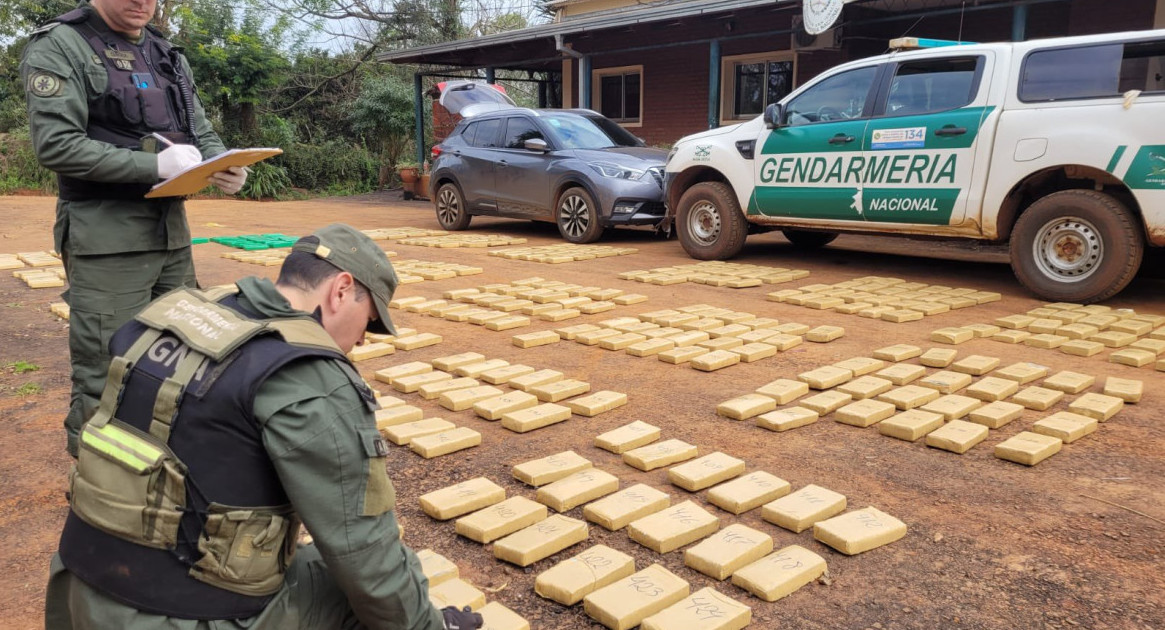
(228, 418)
(97, 81)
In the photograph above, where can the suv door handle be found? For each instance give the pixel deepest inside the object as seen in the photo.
(950, 130)
(841, 138)
(503, 164)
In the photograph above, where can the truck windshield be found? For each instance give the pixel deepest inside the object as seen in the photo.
(571, 131)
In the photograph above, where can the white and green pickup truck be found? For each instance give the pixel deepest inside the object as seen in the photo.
(1056, 146)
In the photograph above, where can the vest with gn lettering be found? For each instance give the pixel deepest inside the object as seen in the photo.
(215, 434)
(148, 92)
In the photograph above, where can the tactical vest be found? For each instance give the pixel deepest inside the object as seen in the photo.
(176, 508)
(148, 91)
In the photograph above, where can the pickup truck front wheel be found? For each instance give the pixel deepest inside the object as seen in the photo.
(710, 223)
(1076, 246)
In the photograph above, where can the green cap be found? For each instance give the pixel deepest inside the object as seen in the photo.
(351, 250)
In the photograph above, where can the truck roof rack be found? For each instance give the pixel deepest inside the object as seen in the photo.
(910, 43)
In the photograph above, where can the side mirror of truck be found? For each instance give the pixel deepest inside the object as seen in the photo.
(536, 144)
(774, 114)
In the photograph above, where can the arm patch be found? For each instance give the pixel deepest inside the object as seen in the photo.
(45, 84)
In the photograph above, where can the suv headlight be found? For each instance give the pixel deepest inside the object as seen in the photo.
(607, 169)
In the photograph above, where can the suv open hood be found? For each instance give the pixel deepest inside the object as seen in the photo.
(470, 98)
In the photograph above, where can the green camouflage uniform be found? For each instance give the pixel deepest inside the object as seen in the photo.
(119, 255)
(357, 574)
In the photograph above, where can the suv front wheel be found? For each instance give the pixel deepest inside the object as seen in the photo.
(1076, 246)
(710, 223)
(578, 216)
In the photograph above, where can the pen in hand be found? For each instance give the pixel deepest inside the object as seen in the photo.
(163, 139)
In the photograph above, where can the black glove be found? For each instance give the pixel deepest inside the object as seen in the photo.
(464, 619)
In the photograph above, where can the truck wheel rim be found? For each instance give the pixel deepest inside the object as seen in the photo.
(1068, 249)
(448, 207)
(574, 216)
(704, 223)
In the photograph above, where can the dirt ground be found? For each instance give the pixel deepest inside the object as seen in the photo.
(990, 544)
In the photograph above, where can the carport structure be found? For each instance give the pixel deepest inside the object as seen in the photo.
(669, 68)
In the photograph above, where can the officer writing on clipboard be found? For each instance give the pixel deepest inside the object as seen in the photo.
(99, 82)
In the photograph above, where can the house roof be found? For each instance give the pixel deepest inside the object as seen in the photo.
(518, 42)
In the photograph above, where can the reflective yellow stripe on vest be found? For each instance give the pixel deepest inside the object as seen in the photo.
(123, 446)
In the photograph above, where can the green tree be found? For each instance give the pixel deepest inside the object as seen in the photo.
(383, 116)
(236, 60)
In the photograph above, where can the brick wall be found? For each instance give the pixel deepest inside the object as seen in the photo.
(675, 79)
(443, 122)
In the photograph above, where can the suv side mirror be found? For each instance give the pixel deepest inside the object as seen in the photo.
(536, 144)
(774, 114)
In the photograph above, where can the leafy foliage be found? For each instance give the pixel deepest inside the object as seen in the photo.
(332, 165)
(19, 169)
(343, 122)
(266, 181)
(383, 116)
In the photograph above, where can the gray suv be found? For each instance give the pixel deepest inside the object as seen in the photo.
(571, 166)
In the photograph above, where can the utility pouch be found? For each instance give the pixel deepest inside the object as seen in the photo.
(127, 485)
(155, 114)
(246, 551)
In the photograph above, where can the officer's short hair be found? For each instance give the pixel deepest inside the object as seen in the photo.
(306, 271)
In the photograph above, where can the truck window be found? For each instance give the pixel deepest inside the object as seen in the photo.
(1081, 72)
(933, 85)
(840, 97)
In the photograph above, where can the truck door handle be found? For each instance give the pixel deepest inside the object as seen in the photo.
(457, 153)
(950, 130)
(503, 164)
(841, 138)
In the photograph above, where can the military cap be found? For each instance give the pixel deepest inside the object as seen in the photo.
(351, 250)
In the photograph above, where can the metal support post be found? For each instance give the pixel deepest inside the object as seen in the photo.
(419, 111)
(1019, 23)
(714, 84)
(584, 82)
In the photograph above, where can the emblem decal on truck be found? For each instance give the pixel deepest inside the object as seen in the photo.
(1148, 169)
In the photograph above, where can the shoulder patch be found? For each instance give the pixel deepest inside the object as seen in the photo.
(45, 84)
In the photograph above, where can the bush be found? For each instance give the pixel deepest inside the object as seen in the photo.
(19, 169)
(332, 166)
(266, 181)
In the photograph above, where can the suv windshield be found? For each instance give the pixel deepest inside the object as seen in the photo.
(617, 134)
(571, 131)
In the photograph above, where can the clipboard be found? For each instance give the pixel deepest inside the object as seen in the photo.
(193, 179)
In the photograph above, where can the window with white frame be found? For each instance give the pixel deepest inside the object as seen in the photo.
(618, 94)
(749, 83)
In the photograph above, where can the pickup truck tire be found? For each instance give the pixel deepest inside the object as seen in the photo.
(1076, 246)
(577, 216)
(710, 223)
(809, 240)
(450, 205)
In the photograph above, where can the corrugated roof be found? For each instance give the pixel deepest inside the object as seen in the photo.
(579, 25)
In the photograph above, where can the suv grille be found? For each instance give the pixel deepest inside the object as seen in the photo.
(657, 175)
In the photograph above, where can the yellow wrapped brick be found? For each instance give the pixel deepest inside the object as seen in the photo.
(859, 531)
(569, 581)
(625, 603)
(539, 472)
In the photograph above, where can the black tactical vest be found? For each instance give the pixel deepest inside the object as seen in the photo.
(217, 437)
(148, 91)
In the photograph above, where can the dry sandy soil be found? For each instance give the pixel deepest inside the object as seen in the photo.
(1072, 542)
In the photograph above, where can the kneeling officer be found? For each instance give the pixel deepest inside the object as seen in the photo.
(227, 419)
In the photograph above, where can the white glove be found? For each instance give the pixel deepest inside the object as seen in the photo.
(177, 158)
(231, 180)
